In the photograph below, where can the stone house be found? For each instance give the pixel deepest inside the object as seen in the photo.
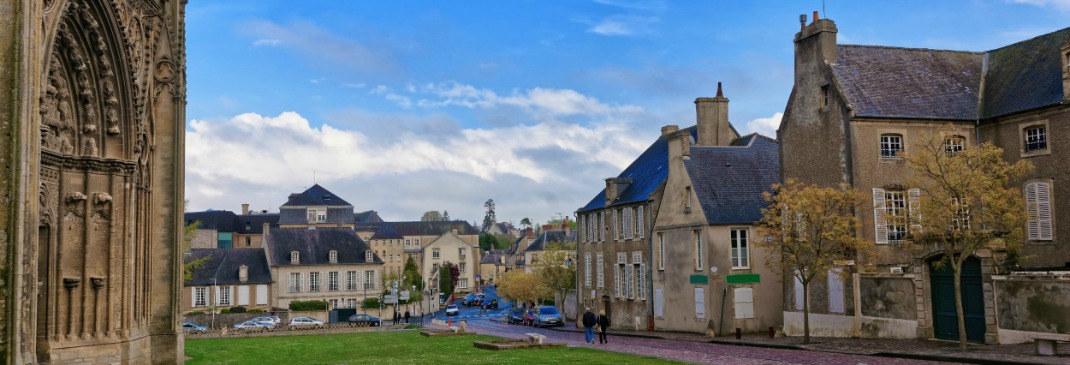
(225, 229)
(331, 264)
(450, 247)
(492, 265)
(316, 207)
(564, 237)
(707, 274)
(229, 277)
(863, 105)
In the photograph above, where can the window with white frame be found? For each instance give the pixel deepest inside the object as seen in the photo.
(369, 280)
(698, 249)
(462, 253)
(629, 281)
(313, 281)
(617, 281)
(600, 271)
(351, 280)
(641, 281)
(295, 257)
(1036, 138)
(333, 257)
(740, 249)
(743, 300)
(892, 212)
(332, 281)
(462, 283)
(661, 251)
(891, 145)
(616, 224)
(317, 215)
(369, 256)
(587, 270)
(1038, 211)
(200, 297)
(954, 144)
(961, 210)
(896, 210)
(223, 295)
(461, 266)
(639, 222)
(294, 285)
(601, 226)
(351, 302)
(628, 223)
(434, 253)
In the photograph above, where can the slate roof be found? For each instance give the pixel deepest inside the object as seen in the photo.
(386, 232)
(647, 172)
(370, 216)
(892, 82)
(432, 228)
(492, 257)
(227, 221)
(1025, 75)
(729, 180)
(315, 196)
(546, 237)
(314, 246)
(223, 264)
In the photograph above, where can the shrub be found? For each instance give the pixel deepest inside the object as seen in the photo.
(195, 313)
(255, 310)
(238, 310)
(547, 302)
(308, 305)
(224, 311)
(370, 303)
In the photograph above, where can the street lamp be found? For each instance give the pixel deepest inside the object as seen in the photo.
(212, 303)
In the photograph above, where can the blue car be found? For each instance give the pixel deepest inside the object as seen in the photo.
(546, 316)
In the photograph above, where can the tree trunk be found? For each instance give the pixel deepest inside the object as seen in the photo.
(958, 306)
(806, 312)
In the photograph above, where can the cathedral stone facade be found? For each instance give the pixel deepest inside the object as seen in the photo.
(93, 101)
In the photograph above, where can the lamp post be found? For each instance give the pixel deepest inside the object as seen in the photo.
(212, 303)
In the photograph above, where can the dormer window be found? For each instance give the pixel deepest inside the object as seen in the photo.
(333, 257)
(317, 215)
(369, 256)
(295, 257)
(243, 273)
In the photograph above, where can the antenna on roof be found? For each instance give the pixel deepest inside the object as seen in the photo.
(314, 177)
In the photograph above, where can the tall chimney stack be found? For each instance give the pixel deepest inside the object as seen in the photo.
(712, 120)
(245, 209)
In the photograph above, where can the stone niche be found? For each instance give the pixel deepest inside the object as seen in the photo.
(97, 263)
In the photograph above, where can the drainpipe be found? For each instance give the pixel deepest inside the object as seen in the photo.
(720, 325)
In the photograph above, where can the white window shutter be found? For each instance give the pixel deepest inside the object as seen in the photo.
(700, 303)
(1044, 211)
(194, 292)
(642, 222)
(914, 207)
(836, 295)
(616, 231)
(798, 292)
(587, 270)
(659, 303)
(1032, 219)
(642, 282)
(880, 226)
(616, 281)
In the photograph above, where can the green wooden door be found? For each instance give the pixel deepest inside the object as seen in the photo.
(945, 320)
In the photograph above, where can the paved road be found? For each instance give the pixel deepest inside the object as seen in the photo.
(688, 351)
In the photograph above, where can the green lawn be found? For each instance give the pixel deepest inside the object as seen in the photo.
(401, 347)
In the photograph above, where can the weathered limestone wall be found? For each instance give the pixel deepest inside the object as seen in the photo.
(888, 297)
(1029, 304)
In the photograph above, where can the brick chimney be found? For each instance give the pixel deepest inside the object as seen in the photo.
(712, 120)
(566, 226)
(245, 209)
(815, 44)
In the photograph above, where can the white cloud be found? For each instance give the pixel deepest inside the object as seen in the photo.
(319, 45)
(542, 102)
(561, 164)
(624, 25)
(766, 126)
(266, 42)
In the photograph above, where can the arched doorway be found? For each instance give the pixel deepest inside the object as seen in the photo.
(945, 320)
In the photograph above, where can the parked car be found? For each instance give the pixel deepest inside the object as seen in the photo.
(361, 318)
(275, 320)
(452, 310)
(489, 303)
(191, 327)
(529, 316)
(305, 321)
(546, 316)
(254, 324)
(516, 316)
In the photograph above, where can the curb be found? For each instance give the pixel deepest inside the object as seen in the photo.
(759, 344)
(900, 355)
(608, 333)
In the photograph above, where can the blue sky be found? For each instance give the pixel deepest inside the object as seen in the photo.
(410, 106)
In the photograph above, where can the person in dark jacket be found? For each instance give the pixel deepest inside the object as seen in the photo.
(603, 324)
(589, 321)
(407, 316)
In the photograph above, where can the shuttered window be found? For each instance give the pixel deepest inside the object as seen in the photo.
(743, 300)
(616, 281)
(587, 270)
(799, 296)
(601, 271)
(700, 303)
(1038, 211)
(659, 303)
(835, 278)
(616, 229)
(880, 227)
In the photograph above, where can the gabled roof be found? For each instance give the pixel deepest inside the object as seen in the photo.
(315, 245)
(223, 265)
(227, 221)
(315, 196)
(492, 257)
(909, 82)
(547, 237)
(254, 223)
(647, 172)
(1025, 75)
(729, 180)
(432, 228)
(370, 216)
(892, 82)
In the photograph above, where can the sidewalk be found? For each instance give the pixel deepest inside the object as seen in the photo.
(934, 350)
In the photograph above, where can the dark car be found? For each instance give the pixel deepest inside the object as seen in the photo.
(546, 316)
(529, 317)
(364, 319)
(489, 303)
(516, 316)
(472, 299)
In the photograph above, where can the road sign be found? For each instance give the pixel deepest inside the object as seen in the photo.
(390, 299)
(404, 295)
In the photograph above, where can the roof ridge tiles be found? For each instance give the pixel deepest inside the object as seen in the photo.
(913, 48)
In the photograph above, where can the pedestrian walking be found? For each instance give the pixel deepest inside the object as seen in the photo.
(407, 316)
(603, 324)
(589, 321)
